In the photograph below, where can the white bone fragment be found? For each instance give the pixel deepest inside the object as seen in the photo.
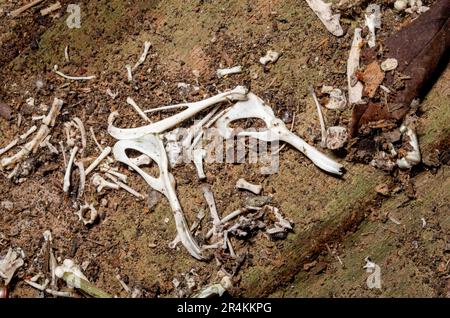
(93, 214)
(243, 184)
(57, 293)
(209, 197)
(330, 20)
(95, 139)
(63, 153)
(254, 107)
(74, 278)
(69, 130)
(106, 168)
(337, 136)
(49, 145)
(221, 72)
(216, 289)
(122, 283)
(281, 221)
(124, 186)
(270, 57)
(355, 87)
(372, 21)
(153, 147)
(80, 126)
(143, 56)
(424, 222)
(69, 169)
(226, 219)
(96, 162)
(9, 146)
(400, 5)
(82, 173)
(100, 183)
(129, 74)
(230, 248)
(323, 129)
(238, 93)
(111, 94)
(131, 102)
(384, 88)
(69, 266)
(197, 157)
(142, 160)
(31, 146)
(52, 260)
(73, 78)
(389, 64)
(30, 101)
(194, 226)
(53, 7)
(35, 118)
(10, 263)
(36, 285)
(157, 109)
(66, 53)
(40, 287)
(412, 157)
(337, 98)
(50, 119)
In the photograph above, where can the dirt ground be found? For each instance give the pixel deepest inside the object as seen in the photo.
(338, 221)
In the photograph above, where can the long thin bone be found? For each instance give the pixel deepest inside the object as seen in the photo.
(73, 78)
(96, 162)
(100, 183)
(225, 219)
(41, 134)
(133, 104)
(17, 12)
(82, 172)
(143, 56)
(238, 93)
(323, 129)
(209, 197)
(244, 184)
(124, 186)
(15, 141)
(254, 107)
(129, 74)
(153, 147)
(80, 126)
(69, 169)
(355, 87)
(372, 21)
(95, 139)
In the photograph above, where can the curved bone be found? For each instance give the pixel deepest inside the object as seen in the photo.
(238, 93)
(254, 107)
(152, 146)
(355, 87)
(330, 20)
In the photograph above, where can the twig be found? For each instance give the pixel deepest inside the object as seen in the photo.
(17, 12)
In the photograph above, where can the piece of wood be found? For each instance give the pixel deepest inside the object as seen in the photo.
(51, 8)
(17, 12)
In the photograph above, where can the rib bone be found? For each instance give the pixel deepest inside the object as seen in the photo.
(238, 93)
